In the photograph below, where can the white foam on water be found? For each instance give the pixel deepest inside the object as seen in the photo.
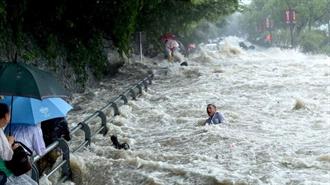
(265, 139)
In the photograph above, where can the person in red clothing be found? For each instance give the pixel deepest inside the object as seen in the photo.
(171, 46)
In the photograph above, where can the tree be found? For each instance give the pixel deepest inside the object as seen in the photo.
(76, 29)
(309, 14)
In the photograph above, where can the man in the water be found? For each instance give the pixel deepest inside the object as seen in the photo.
(215, 117)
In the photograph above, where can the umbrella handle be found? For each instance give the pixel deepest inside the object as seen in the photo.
(27, 149)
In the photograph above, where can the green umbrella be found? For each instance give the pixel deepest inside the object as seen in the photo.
(18, 79)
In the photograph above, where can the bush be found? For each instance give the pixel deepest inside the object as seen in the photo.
(311, 41)
(326, 49)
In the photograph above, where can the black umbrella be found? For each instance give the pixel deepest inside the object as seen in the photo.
(18, 79)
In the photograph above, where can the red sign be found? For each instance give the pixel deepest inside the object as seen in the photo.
(287, 16)
(290, 16)
(269, 38)
(269, 23)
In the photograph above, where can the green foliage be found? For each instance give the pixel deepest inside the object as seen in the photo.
(91, 56)
(203, 31)
(312, 41)
(52, 47)
(312, 13)
(78, 58)
(281, 37)
(74, 30)
(97, 57)
(2, 10)
(309, 15)
(326, 49)
(181, 17)
(125, 24)
(30, 55)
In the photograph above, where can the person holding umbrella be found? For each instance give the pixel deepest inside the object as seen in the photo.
(25, 86)
(19, 79)
(27, 115)
(30, 135)
(6, 153)
(52, 129)
(172, 47)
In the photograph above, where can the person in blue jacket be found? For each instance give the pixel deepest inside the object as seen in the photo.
(215, 117)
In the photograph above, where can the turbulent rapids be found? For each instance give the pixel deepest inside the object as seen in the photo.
(277, 121)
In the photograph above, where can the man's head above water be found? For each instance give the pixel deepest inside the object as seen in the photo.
(211, 109)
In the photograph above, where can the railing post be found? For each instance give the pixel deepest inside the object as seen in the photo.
(35, 173)
(66, 169)
(140, 88)
(115, 108)
(65, 164)
(103, 117)
(87, 132)
(123, 97)
(150, 79)
(132, 94)
(145, 85)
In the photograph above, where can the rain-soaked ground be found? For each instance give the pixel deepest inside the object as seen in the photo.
(277, 109)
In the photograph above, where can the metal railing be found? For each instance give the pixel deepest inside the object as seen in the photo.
(115, 103)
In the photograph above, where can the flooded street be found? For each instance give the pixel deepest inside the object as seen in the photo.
(276, 105)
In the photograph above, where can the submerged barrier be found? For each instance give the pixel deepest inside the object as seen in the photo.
(84, 126)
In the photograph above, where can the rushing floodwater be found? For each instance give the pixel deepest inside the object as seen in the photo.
(265, 140)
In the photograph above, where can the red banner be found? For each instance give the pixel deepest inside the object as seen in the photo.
(290, 16)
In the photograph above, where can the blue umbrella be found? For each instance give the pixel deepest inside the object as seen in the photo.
(31, 111)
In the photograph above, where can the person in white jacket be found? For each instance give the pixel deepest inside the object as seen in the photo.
(30, 135)
(6, 153)
(172, 50)
(171, 46)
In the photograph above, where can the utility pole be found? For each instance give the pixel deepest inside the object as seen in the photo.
(291, 34)
(140, 39)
